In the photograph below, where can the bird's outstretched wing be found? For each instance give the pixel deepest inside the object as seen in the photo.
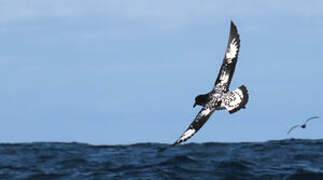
(290, 130)
(310, 118)
(229, 62)
(198, 122)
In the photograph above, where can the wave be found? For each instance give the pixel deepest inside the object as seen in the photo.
(284, 159)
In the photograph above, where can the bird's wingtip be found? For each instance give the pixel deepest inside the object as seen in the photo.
(167, 147)
(234, 29)
(232, 23)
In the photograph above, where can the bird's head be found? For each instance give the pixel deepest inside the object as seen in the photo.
(201, 100)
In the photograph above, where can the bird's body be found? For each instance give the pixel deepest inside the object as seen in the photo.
(220, 97)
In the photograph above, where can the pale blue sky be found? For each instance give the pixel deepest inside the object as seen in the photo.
(119, 72)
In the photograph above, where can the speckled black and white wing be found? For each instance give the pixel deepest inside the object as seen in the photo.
(198, 122)
(223, 80)
(235, 100)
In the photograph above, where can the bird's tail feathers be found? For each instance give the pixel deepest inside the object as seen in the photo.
(237, 99)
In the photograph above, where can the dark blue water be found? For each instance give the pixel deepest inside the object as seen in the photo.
(286, 159)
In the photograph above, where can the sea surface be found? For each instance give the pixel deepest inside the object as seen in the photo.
(284, 159)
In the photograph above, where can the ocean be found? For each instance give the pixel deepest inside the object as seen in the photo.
(291, 159)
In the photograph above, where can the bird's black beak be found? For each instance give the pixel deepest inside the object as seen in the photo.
(194, 105)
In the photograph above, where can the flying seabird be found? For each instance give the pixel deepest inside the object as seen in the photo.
(220, 97)
(302, 125)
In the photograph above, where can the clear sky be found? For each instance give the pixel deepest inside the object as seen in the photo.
(126, 71)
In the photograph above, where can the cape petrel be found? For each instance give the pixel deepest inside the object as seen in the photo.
(302, 125)
(220, 97)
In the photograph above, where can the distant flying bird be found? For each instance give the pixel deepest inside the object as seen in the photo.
(220, 97)
(302, 125)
